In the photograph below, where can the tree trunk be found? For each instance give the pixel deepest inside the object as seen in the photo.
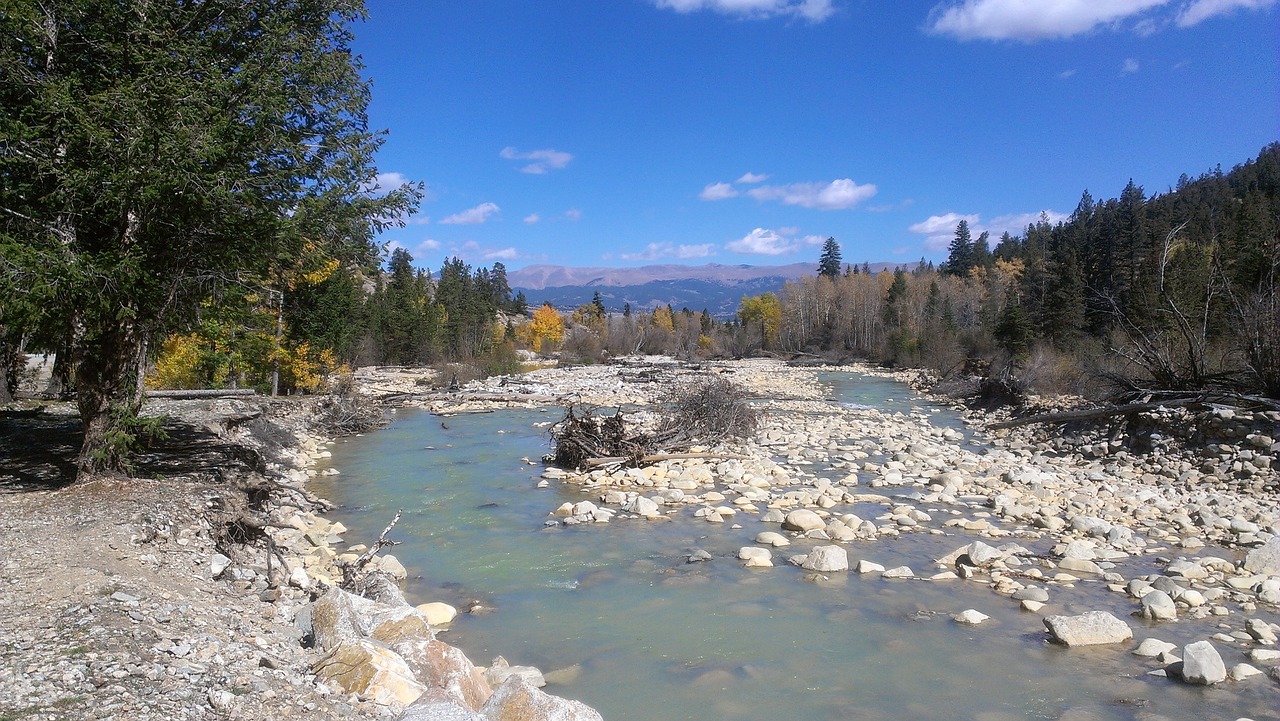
(106, 379)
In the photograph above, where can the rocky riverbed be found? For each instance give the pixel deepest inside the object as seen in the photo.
(124, 599)
(1176, 515)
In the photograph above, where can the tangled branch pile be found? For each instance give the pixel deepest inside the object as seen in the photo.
(345, 415)
(705, 411)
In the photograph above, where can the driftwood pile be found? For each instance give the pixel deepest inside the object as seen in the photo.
(702, 412)
(344, 415)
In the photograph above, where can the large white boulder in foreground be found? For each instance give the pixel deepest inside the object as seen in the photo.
(1202, 664)
(1088, 629)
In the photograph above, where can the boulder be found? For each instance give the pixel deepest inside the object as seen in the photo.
(899, 572)
(1151, 647)
(1080, 565)
(803, 520)
(1202, 664)
(772, 538)
(970, 617)
(517, 700)
(756, 557)
(438, 613)
(865, 566)
(373, 672)
(1088, 629)
(430, 709)
(499, 671)
(445, 671)
(334, 620)
(1159, 606)
(827, 558)
(642, 506)
(1264, 559)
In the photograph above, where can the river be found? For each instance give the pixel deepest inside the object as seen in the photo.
(645, 636)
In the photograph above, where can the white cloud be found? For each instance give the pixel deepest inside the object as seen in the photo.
(718, 191)
(384, 183)
(472, 216)
(1130, 66)
(1067, 73)
(940, 229)
(429, 244)
(811, 10)
(1030, 20)
(654, 251)
(419, 220)
(688, 252)
(573, 214)
(1201, 10)
(750, 178)
(543, 160)
(942, 223)
(837, 195)
(763, 241)
(1016, 224)
(532, 218)
(503, 254)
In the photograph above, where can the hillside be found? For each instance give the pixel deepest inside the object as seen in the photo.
(714, 287)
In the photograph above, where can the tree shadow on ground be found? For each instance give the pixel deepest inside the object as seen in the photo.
(38, 452)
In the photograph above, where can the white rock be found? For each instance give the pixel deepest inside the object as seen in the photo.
(803, 519)
(827, 558)
(970, 617)
(899, 572)
(1152, 647)
(1159, 606)
(1088, 629)
(217, 564)
(1241, 671)
(438, 613)
(772, 538)
(298, 578)
(755, 557)
(865, 566)
(1202, 664)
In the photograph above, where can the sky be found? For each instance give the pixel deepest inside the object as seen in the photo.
(633, 132)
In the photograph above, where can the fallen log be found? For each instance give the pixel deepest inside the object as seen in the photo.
(654, 458)
(1088, 414)
(202, 393)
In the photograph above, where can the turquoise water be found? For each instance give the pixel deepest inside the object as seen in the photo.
(649, 637)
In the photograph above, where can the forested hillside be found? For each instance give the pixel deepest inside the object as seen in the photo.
(1172, 291)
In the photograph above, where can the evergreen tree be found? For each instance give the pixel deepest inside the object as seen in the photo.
(829, 262)
(167, 146)
(960, 252)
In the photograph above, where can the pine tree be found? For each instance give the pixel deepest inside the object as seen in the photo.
(829, 262)
(960, 252)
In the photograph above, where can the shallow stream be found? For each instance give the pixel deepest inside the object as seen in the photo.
(645, 636)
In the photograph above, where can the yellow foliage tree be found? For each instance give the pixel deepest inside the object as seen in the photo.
(547, 328)
(663, 318)
(765, 309)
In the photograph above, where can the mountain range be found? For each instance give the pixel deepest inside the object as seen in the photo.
(713, 287)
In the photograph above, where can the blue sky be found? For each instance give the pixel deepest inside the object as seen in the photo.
(629, 132)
